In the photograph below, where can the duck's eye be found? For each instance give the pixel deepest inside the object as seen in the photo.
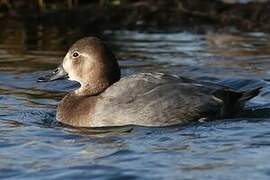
(75, 54)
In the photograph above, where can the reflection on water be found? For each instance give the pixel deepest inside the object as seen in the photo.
(34, 145)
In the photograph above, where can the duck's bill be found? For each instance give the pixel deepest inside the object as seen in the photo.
(58, 73)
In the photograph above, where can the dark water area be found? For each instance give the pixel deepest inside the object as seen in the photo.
(34, 146)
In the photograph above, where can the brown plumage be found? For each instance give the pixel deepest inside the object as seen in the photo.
(147, 99)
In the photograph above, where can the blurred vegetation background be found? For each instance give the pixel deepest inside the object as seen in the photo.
(96, 15)
(55, 24)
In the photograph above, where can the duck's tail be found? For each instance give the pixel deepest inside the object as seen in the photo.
(233, 101)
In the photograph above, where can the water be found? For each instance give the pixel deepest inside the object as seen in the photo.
(34, 146)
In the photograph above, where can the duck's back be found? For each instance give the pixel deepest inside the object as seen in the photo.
(153, 99)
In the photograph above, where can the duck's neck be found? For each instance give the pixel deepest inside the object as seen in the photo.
(92, 89)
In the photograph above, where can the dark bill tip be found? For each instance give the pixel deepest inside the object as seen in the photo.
(58, 73)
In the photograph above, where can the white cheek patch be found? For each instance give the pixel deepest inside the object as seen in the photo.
(65, 61)
(68, 66)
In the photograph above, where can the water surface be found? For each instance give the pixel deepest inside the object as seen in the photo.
(34, 146)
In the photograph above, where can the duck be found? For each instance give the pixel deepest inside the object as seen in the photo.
(151, 99)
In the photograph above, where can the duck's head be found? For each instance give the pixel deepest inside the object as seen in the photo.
(91, 63)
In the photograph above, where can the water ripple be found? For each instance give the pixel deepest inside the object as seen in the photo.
(33, 145)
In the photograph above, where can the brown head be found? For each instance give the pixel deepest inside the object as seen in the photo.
(91, 63)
